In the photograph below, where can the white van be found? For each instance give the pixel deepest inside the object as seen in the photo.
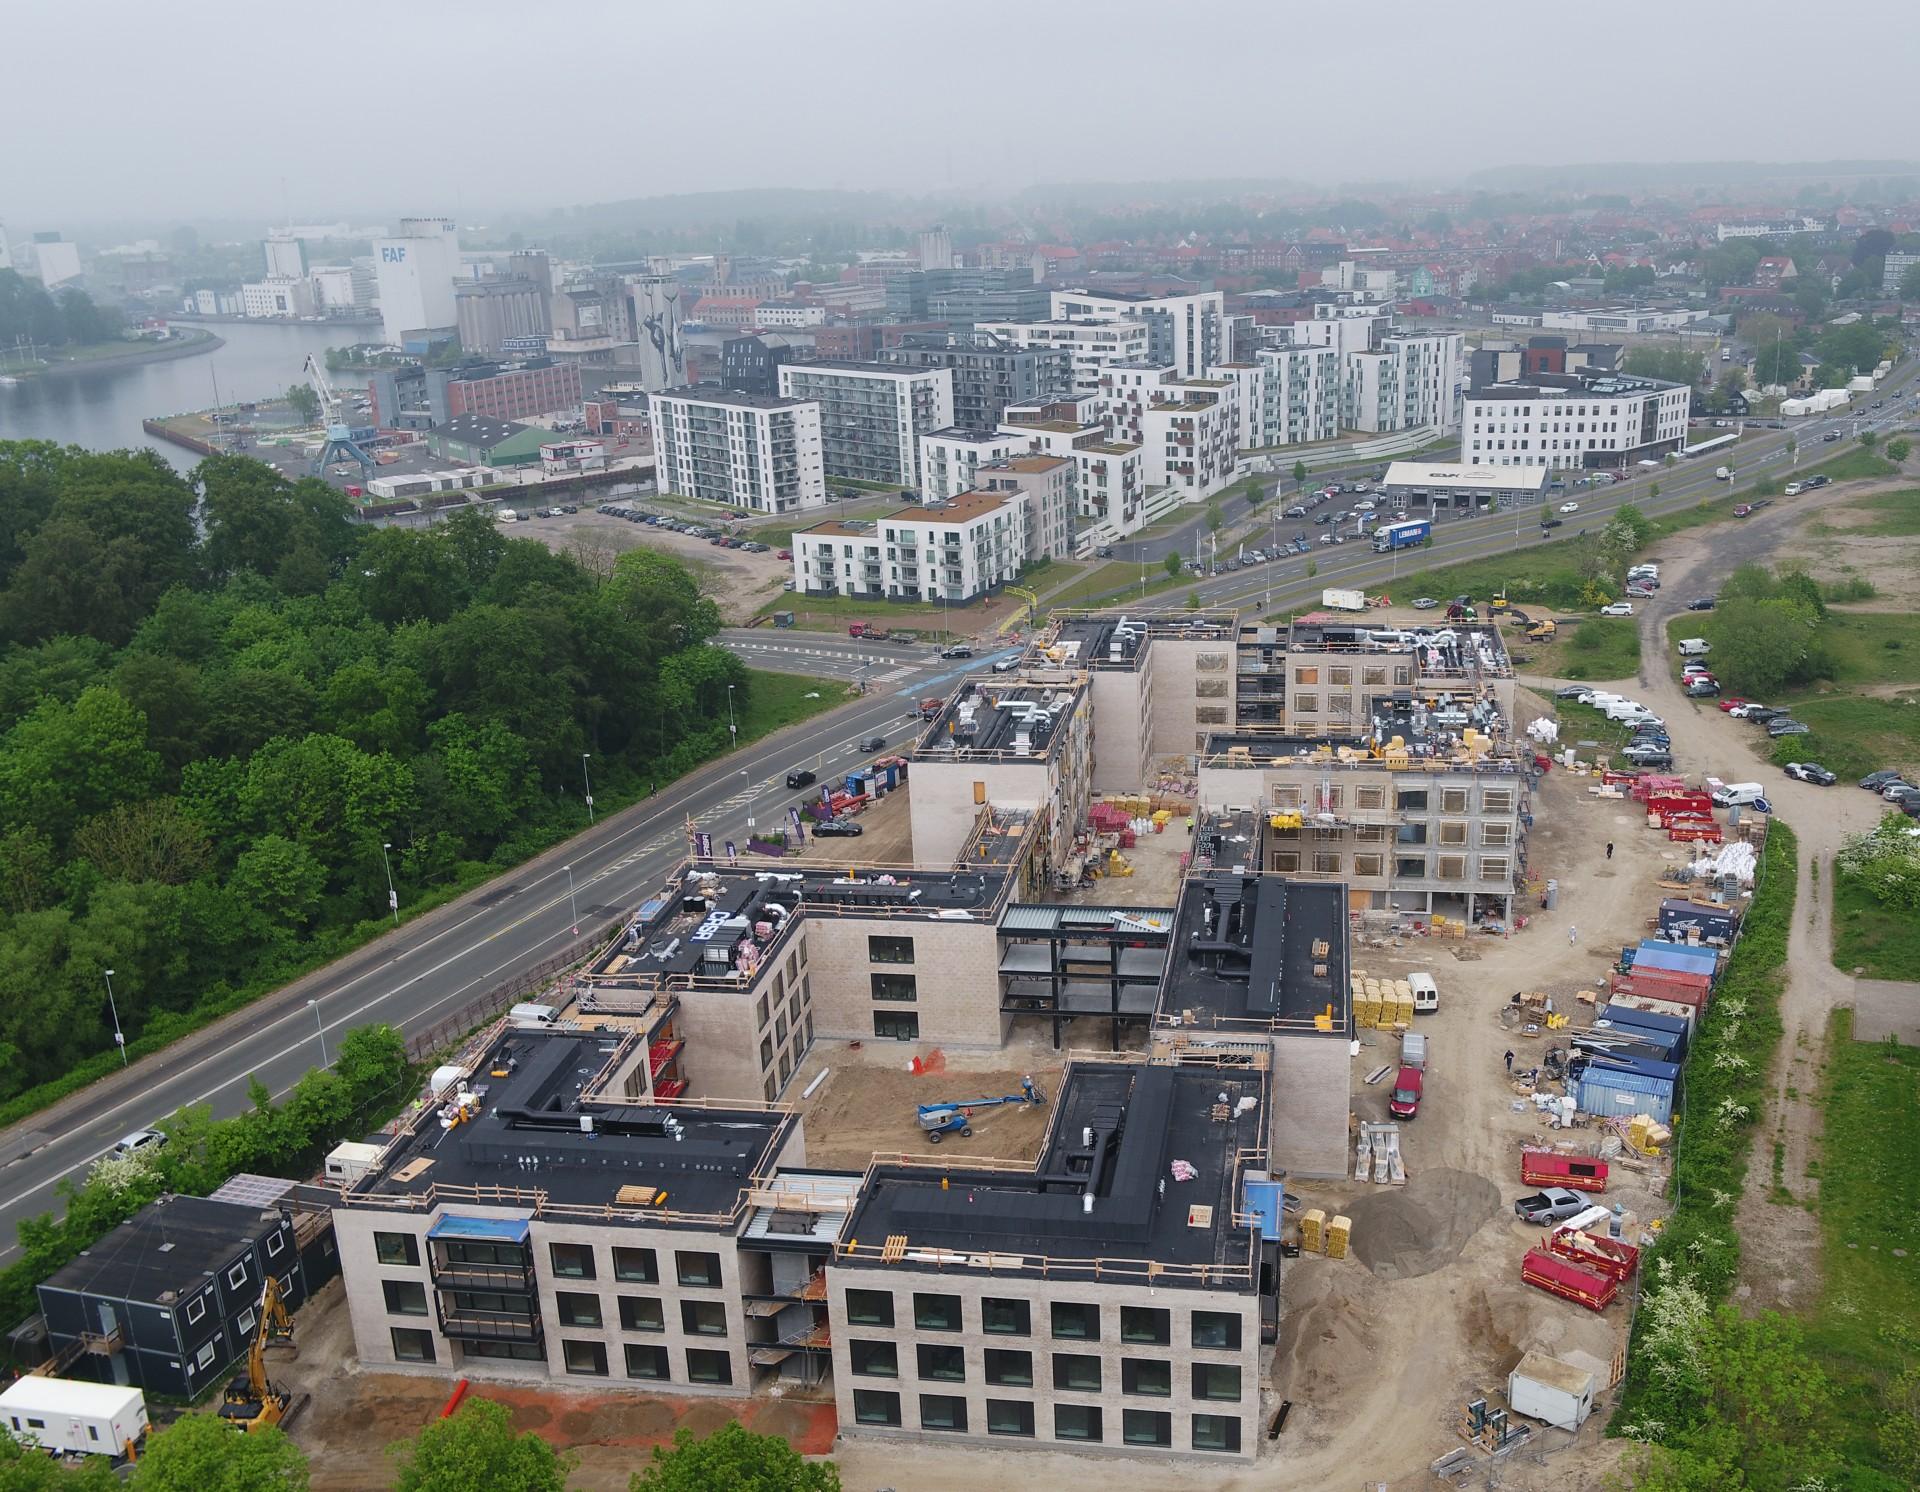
(1737, 794)
(1426, 994)
(1621, 709)
(1695, 647)
(533, 1015)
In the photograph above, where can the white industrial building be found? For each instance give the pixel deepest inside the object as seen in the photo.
(1419, 486)
(416, 269)
(1093, 346)
(1570, 420)
(284, 296)
(286, 258)
(746, 450)
(1187, 331)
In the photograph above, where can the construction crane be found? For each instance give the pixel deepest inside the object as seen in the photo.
(252, 1402)
(938, 1120)
(339, 444)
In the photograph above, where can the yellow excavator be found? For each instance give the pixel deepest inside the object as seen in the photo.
(252, 1402)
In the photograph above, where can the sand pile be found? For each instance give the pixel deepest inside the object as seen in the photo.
(1404, 1231)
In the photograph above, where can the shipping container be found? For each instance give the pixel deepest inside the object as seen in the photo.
(1620, 1095)
(1569, 1281)
(1655, 1006)
(1584, 1173)
(1554, 1392)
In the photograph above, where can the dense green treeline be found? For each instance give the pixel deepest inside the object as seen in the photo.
(220, 698)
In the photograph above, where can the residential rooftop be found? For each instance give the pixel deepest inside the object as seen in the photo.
(880, 370)
(962, 507)
(165, 1251)
(1102, 1200)
(1259, 952)
(714, 393)
(1563, 386)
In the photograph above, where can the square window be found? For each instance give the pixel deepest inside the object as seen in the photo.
(1076, 1422)
(572, 1261)
(890, 950)
(275, 1243)
(1216, 1329)
(1150, 1377)
(412, 1344)
(237, 1276)
(588, 1359)
(641, 1313)
(943, 1412)
(874, 1359)
(870, 1307)
(1216, 1432)
(1006, 1368)
(636, 1266)
(206, 1356)
(698, 1269)
(1146, 1427)
(1008, 1318)
(707, 1366)
(703, 1318)
(405, 1297)
(1216, 1381)
(943, 1362)
(647, 1360)
(1075, 1321)
(872, 1406)
(1009, 1417)
(936, 1312)
(1078, 1371)
(196, 1309)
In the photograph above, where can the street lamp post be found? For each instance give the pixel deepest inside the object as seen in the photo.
(319, 1029)
(393, 896)
(571, 903)
(119, 1038)
(733, 726)
(587, 777)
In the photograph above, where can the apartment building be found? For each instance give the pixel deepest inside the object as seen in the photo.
(745, 450)
(1188, 429)
(965, 296)
(1091, 346)
(989, 371)
(1409, 381)
(1299, 396)
(1573, 421)
(949, 459)
(1049, 485)
(961, 550)
(872, 416)
(1080, 1302)
(1187, 332)
(1320, 677)
(1110, 484)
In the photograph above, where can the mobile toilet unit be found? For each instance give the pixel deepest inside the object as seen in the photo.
(74, 1418)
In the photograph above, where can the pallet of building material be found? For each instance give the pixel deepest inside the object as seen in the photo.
(1339, 1233)
(1569, 1281)
(1313, 1231)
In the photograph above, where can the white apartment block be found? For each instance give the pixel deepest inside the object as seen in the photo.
(954, 552)
(1346, 327)
(1187, 331)
(745, 450)
(1300, 391)
(1187, 428)
(1050, 487)
(1411, 379)
(1094, 346)
(949, 459)
(1607, 421)
(872, 415)
(1110, 483)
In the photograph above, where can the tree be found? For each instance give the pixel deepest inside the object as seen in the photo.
(1675, 361)
(1172, 563)
(25, 1469)
(477, 1451)
(1869, 438)
(1214, 516)
(1760, 646)
(1776, 361)
(1299, 475)
(304, 402)
(201, 1453)
(1898, 449)
(1855, 348)
(733, 1459)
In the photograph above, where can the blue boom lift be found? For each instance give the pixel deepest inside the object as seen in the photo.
(938, 1120)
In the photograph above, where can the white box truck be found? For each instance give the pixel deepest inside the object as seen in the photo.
(1335, 599)
(65, 1415)
(1544, 1388)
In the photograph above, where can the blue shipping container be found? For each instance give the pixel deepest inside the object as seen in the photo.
(1654, 954)
(1605, 1094)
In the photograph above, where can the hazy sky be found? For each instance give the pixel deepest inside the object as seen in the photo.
(121, 110)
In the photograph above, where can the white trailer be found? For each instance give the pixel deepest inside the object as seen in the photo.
(66, 1415)
(1544, 1388)
(1335, 599)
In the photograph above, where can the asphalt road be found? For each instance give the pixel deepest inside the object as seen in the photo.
(429, 968)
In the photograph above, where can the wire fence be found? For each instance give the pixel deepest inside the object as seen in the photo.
(448, 1031)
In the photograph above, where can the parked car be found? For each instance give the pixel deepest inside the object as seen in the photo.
(836, 829)
(1762, 714)
(1874, 781)
(1007, 665)
(1701, 688)
(1733, 704)
(1786, 725)
(1617, 608)
(801, 777)
(1811, 772)
(1700, 603)
(1550, 1205)
(1639, 593)
(1408, 1086)
(1424, 603)
(1819, 481)
(1895, 788)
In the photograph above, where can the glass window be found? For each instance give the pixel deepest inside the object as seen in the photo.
(1076, 1321)
(577, 1309)
(1216, 1381)
(636, 1266)
(641, 1313)
(1216, 1432)
(936, 1312)
(396, 1248)
(1149, 1377)
(196, 1309)
(1146, 1427)
(589, 1359)
(900, 988)
(1005, 1318)
(1009, 1417)
(703, 1318)
(647, 1360)
(1217, 1329)
(1076, 1422)
(405, 1297)
(870, 1307)
(943, 1412)
(1008, 1368)
(237, 1276)
(941, 1361)
(697, 1268)
(890, 950)
(707, 1366)
(572, 1261)
(874, 1359)
(896, 1025)
(872, 1406)
(1079, 1371)
(412, 1344)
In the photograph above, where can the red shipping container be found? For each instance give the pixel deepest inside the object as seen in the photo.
(1549, 1272)
(1583, 1173)
(1605, 1256)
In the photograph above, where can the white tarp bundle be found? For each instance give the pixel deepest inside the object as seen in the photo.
(1544, 730)
(1736, 860)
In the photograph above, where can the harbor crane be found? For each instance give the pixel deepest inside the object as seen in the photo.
(339, 444)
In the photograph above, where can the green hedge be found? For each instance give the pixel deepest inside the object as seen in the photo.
(1727, 1067)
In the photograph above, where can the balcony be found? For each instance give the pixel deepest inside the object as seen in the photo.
(489, 1326)
(504, 1279)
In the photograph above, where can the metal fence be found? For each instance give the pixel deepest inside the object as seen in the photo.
(448, 1030)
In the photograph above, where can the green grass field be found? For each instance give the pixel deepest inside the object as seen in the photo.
(1535, 574)
(1118, 580)
(1895, 513)
(1601, 647)
(778, 700)
(1854, 464)
(1867, 935)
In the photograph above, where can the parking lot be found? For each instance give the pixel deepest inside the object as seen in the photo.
(739, 579)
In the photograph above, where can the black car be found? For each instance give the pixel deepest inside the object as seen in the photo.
(801, 777)
(874, 743)
(1546, 523)
(1874, 781)
(1819, 481)
(959, 650)
(1761, 714)
(1830, 437)
(1786, 725)
(1324, 518)
(1812, 772)
(836, 829)
(1700, 603)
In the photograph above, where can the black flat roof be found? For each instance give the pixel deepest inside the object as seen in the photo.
(1272, 950)
(168, 1248)
(1092, 639)
(987, 715)
(527, 1134)
(1142, 1118)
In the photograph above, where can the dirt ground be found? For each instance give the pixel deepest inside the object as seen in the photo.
(739, 583)
(1155, 882)
(886, 836)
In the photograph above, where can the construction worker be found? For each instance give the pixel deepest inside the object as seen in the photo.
(1573, 935)
(1609, 849)
(1509, 1060)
